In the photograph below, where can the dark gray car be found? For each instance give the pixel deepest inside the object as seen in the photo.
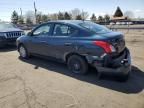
(79, 44)
(9, 33)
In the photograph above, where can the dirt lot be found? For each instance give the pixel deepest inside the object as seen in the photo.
(38, 83)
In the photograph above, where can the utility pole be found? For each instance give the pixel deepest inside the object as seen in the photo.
(21, 12)
(35, 10)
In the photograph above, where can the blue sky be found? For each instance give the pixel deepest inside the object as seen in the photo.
(99, 7)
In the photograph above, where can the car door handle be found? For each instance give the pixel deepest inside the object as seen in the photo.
(68, 44)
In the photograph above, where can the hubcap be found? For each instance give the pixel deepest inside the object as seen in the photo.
(76, 67)
(22, 51)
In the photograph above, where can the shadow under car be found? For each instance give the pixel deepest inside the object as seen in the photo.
(8, 48)
(133, 85)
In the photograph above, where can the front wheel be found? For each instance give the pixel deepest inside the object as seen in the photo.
(23, 52)
(77, 64)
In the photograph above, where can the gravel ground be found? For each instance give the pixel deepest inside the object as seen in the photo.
(39, 83)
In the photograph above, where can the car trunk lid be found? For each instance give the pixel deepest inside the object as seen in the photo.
(116, 39)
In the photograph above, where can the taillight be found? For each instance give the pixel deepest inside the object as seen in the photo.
(105, 45)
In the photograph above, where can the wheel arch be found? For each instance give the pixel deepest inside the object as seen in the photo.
(19, 45)
(73, 53)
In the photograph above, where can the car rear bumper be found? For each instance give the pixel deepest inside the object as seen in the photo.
(123, 70)
(118, 66)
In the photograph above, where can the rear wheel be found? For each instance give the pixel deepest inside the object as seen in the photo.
(23, 52)
(77, 64)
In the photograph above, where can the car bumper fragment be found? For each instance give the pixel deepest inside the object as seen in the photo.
(121, 65)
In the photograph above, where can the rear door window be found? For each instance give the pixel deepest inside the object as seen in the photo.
(63, 30)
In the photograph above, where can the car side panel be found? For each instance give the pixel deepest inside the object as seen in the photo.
(62, 46)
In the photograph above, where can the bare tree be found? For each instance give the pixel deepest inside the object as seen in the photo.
(30, 16)
(75, 12)
(21, 20)
(29, 21)
(84, 15)
(129, 14)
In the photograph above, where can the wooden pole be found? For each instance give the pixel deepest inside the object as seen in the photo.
(35, 10)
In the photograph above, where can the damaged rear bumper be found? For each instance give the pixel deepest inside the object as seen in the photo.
(117, 66)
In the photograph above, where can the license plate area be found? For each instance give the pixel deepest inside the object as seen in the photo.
(123, 60)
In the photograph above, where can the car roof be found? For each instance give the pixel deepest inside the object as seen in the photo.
(72, 22)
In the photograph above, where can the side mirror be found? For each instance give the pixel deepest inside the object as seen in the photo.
(29, 33)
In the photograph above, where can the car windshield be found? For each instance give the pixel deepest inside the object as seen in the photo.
(94, 27)
(6, 25)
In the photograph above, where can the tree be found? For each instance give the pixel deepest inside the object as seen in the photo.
(93, 18)
(107, 18)
(14, 17)
(100, 19)
(53, 16)
(30, 17)
(29, 21)
(44, 18)
(75, 12)
(79, 17)
(60, 16)
(21, 20)
(39, 18)
(118, 12)
(129, 14)
(67, 16)
(84, 15)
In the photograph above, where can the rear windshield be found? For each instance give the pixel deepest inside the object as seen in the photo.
(94, 27)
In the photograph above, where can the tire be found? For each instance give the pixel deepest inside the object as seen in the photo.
(77, 64)
(23, 52)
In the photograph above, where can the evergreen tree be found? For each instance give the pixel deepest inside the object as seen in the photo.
(100, 19)
(93, 18)
(60, 16)
(67, 16)
(78, 17)
(44, 18)
(14, 17)
(118, 12)
(107, 18)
